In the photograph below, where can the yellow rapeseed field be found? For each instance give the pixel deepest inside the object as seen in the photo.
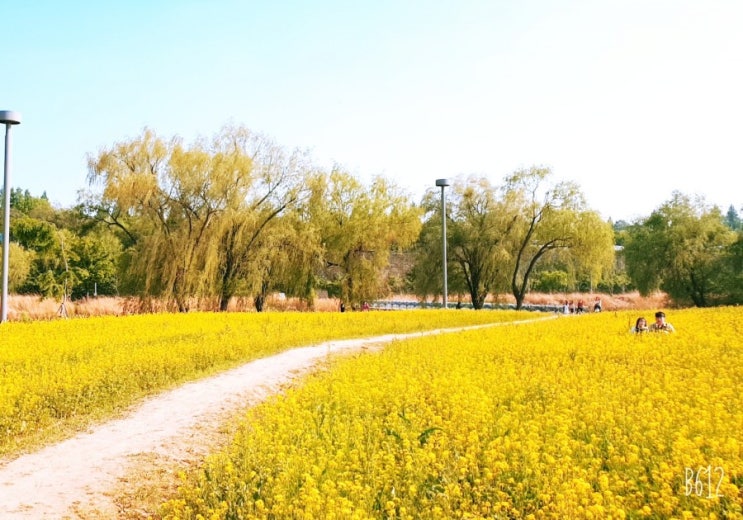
(56, 376)
(567, 418)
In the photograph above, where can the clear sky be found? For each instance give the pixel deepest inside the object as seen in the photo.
(631, 99)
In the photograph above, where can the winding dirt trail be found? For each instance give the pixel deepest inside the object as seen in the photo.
(81, 478)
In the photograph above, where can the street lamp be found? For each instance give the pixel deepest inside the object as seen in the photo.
(8, 118)
(443, 183)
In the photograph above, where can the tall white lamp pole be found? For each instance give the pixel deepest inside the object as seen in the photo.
(8, 118)
(443, 183)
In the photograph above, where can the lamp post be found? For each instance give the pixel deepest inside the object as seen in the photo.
(443, 183)
(8, 118)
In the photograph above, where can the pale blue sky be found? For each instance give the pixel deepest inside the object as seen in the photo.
(630, 99)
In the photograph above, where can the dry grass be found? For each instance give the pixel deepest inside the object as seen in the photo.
(626, 301)
(31, 308)
(28, 308)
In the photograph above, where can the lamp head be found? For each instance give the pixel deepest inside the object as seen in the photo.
(9, 117)
(442, 182)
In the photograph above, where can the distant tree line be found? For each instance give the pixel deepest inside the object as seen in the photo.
(238, 215)
(689, 250)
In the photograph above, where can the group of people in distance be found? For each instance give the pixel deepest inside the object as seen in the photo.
(569, 307)
(364, 306)
(660, 325)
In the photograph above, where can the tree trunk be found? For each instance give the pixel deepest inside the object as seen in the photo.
(260, 300)
(477, 300)
(519, 295)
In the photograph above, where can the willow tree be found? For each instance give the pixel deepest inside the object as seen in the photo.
(733, 270)
(296, 257)
(591, 255)
(681, 248)
(288, 261)
(251, 238)
(481, 224)
(172, 196)
(478, 224)
(426, 274)
(552, 216)
(358, 227)
(197, 218)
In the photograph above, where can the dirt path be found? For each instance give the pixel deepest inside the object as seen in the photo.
(85, 476)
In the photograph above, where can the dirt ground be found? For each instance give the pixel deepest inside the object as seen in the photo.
(123, 469)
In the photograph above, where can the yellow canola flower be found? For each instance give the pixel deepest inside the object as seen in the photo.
(571, 418)
(59, 375)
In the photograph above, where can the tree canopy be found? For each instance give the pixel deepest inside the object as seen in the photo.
(237, 215)
(358, 228)
(681, 249)
(499, 236)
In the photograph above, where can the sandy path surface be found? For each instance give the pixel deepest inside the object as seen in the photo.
(79, 477)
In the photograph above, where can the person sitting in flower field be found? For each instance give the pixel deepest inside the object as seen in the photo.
(661, 325)
(641, 325)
